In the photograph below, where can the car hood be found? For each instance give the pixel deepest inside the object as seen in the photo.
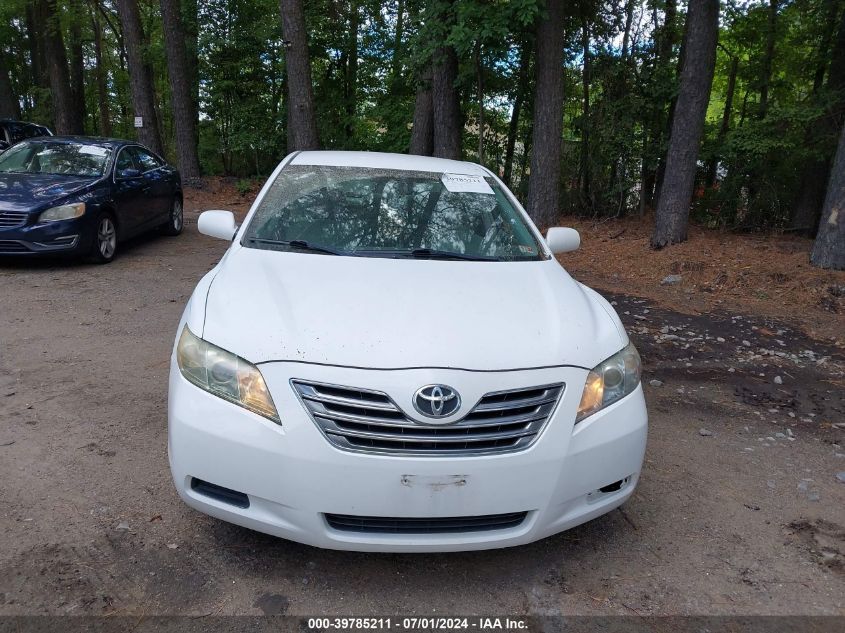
(403, 313)
(31, 192)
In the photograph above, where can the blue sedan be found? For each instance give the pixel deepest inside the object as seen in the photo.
(83, 196)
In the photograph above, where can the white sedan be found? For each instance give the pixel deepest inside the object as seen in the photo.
(389, 357)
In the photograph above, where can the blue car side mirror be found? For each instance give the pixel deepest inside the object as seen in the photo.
(124, 174)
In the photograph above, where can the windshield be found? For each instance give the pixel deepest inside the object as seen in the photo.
(50, 157)
(390, 213)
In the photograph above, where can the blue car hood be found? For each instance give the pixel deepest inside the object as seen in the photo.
(32, 192)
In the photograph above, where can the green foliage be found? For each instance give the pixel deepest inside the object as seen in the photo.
(241, 86)
(244, 186)
(367, 58)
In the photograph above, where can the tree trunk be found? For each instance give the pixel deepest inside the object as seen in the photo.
(824, 47)
(585, 111)
(829, 247)
(667, 126)
(688, 124)
(713, 166)
(191, 30)
(522, 190)
(302, 120)
(446, 104)
(661, 122)
(9, 106)
(519, 98)
(808, 204)
(619, 89)
(768, 59)
(422, 132)
(479, 96)
(629, 20)
(396, 57)
(35, 44)
(100, 72)
(77, 75)
(544, 181)
(351, 78)
(180, 91)
(56, 58)
(140, 77)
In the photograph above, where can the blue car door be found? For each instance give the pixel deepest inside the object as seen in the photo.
(157, 186)
(129, 196)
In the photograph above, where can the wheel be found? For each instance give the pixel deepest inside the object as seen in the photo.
(105, 240)
(176, 221)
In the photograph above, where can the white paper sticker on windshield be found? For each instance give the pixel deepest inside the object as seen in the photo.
(93, 150)
(460, 183)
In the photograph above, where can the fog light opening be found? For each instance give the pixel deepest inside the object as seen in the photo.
(219, 493)
(65, 238)
(615, 486)
(609, 489)
(61, 241)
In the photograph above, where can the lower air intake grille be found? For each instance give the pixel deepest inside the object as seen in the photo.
(443, 525)
(370, 421)
(10, 246)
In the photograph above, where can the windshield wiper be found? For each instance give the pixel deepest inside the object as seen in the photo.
(428, 253)
(300, 245)
(424, 253)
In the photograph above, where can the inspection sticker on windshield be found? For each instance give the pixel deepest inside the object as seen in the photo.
(460, 183)
(93, 150)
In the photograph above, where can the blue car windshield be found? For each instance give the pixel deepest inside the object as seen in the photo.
(55, 158)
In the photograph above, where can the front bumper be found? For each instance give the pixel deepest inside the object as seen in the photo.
(293, 477)
(47, 238)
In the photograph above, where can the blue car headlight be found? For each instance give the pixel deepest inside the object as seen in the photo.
(63, 212)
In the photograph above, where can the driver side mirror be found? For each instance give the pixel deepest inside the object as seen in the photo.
(219, 224)
(126, 174)
(563, 239)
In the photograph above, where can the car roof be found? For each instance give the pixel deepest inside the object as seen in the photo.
(22, 123)
(383, 160)
(90, 140)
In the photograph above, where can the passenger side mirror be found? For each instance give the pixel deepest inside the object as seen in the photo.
(126, 174)
(219, 224)
(563, 239)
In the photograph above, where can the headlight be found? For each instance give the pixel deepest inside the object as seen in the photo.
(64, 212)
(610, 381)
(225, 375)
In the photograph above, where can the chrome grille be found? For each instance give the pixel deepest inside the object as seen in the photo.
(11, 219)
(363, 420)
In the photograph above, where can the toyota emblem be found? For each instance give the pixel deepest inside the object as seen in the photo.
(436, 401)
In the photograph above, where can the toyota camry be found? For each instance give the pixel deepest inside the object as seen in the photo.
(389, 357)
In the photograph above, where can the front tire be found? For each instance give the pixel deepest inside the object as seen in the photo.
(176, 221)
(104, 246)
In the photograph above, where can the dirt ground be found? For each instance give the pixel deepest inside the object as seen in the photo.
(767, 275)
(739, 509)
